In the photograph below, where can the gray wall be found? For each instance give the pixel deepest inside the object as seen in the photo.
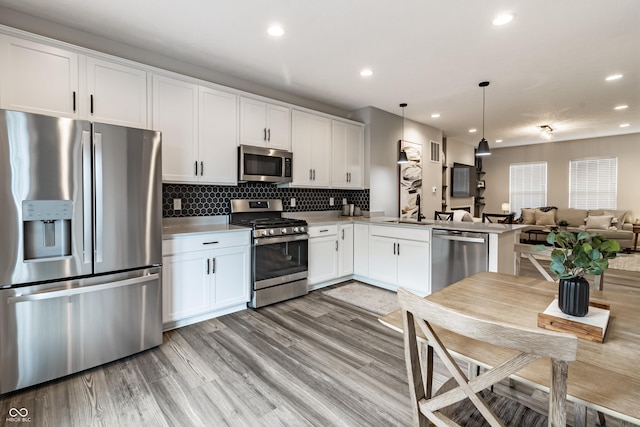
(557, 155)
(458, 152)
(382, 132)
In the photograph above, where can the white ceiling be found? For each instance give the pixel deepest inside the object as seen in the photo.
(546, 67)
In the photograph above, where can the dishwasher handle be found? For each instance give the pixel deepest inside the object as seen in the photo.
(463, 239)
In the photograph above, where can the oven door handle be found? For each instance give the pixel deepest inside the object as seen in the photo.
(283, 239)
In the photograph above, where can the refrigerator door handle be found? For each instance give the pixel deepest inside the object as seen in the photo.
(97, 159)
(84, 289)
(87, 254)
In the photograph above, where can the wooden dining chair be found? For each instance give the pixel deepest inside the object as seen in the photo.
(443, 216)
(498, 218)
(469, 401)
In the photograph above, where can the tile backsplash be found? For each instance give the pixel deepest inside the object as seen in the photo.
(206, 200)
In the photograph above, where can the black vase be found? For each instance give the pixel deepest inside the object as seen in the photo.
(573, 296)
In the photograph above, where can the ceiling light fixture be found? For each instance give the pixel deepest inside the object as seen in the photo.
(621, 107)
(498, 141)
(503, 18)
(367, 72)
(546, 131)
(435, 115)
(613, 77)
(625, 125)
(275, 30)
(483, 145)
(402, 157)
(473, 130)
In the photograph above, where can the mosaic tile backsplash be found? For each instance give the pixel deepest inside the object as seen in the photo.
(206, 200)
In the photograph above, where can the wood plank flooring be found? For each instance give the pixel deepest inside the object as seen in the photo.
(311, 361)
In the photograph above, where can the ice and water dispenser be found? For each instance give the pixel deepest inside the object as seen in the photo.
(47, 228)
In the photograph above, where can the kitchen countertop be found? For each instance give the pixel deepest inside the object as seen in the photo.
(172, 227)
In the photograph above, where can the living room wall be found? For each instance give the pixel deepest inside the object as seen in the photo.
(557, 155)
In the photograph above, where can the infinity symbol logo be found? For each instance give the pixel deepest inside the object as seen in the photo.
(22, 412)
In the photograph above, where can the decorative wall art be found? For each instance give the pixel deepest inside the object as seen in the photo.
(410, 180)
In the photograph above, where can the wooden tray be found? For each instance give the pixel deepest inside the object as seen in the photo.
(591, 327)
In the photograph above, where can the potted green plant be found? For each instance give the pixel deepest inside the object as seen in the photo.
(574, 255)
(563, 224)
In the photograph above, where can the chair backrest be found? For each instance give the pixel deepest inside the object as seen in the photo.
(443, 216)
(499, 218)
(530, 344)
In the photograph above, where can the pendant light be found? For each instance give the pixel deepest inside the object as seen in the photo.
(483, 146)
(402, 157)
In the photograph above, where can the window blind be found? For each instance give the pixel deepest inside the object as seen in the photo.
(593, 183)
(527, 186)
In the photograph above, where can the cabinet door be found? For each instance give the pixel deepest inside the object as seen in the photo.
(312, 150)
(383, 261)
(323, 259)
(339, 175)
(218, 148)
(185, 285)
(345, 253)
(115, 94)
(231, 272)
(253, 122)
(413, 266)
(278, 127)
(361, 249)
(175, 114)
(354, 155)
(37, 78)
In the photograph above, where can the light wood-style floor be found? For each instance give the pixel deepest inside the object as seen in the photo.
(310, 361)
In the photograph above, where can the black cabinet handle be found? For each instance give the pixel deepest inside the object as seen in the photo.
(269, 135)
(74, 101)
(398, 249)
(264, 137)
(91, 104)
(213, 266)
(336, 245)
(201, 168)
(210, 243)
(310, 174)
(195, 164)
(208, 266)
(343, 234)
(394, 248)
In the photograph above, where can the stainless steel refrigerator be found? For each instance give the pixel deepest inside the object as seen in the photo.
(81, 245)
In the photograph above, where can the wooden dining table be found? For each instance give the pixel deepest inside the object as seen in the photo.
(605, 376)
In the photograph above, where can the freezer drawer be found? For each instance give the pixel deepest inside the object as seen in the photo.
(52, 330)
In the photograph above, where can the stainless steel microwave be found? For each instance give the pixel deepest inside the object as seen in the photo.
(264, 164)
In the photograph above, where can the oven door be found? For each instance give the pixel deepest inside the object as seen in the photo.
(278, 260)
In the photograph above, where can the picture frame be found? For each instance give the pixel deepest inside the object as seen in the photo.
(410, 179)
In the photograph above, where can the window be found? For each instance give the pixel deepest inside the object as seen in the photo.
(593, 183)
(527, 186)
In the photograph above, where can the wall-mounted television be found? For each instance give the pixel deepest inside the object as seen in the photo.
(463, 180)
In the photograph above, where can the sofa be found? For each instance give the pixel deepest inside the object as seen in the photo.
(612, 224)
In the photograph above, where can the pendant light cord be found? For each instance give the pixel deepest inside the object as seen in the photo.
(483, 92)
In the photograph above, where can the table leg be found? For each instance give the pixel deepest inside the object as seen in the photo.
(580, 415)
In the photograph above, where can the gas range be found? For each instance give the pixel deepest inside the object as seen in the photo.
(265, 218)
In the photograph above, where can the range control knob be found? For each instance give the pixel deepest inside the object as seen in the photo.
(263, 232)
(283, 231)
(271, 231)
(295, 229)
(302, 229)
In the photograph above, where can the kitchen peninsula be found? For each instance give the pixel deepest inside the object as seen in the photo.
(391, 253)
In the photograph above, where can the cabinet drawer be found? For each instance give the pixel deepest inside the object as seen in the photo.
(323, 230)
(205, 242)
(395, 232)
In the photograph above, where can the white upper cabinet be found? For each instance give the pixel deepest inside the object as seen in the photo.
(37, 78)
(311, 143)
(347, 148)
(218, 135)
(265, 125)
(175, 114)
(114, 94)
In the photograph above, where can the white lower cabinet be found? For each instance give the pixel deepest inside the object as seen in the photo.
(400, 257)
(323, 253)
(345, 250)
(204, 276)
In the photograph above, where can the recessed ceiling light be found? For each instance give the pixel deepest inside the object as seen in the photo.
(367, 72)
(613, 77)
(275, 30)
(620, 107)
(435, 115)
(498, 141)
(503, 18)
(473, 130)
(625, 125)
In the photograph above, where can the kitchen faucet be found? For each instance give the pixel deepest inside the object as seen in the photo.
(420, 216)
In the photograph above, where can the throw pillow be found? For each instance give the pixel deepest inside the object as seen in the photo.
(462, 215)
(528, 216)
(618, 217)
(602, 222)
(545, 218)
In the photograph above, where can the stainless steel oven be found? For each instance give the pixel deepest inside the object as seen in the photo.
(280, 251)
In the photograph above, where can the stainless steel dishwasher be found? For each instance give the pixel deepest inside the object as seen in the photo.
(456, 255)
